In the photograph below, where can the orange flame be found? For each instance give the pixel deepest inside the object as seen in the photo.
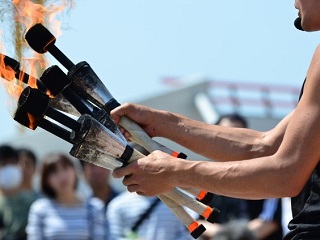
(32, 121)
(34, 65)
(6, 72)
(13, 86)
(28, 13)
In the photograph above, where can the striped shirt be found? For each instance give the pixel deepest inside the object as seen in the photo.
(125, 210)
(50, 220)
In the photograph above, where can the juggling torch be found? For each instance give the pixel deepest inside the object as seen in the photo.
(89, 134)
(87, 84)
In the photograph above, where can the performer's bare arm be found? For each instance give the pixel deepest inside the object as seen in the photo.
(224, 143)
(215, 142)
(281, 174)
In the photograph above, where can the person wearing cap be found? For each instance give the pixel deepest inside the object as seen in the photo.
(282, 162)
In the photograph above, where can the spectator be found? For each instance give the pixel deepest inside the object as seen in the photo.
(127, 219)
(98, 180)
(131, 216)
(14, 203)
(265, 218)
(28, 164)
(232, 120)
(264, 215)
(62, 215)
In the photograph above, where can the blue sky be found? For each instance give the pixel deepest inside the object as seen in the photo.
(133, 44)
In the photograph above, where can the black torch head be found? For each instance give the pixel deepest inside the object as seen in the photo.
(32, 105)
(40, 38)
(26, 119)
(34, 102)
(55, 80)
(8, 61)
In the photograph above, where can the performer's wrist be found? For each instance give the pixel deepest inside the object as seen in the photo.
(182, 173)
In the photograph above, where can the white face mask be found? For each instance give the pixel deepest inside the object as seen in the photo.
(10, 177)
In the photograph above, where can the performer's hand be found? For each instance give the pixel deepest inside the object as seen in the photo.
(150, 176)
(144, 116)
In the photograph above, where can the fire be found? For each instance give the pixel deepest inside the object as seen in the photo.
(32, 121)
(34, 65)
(25, 14)
(13, 86)
(6, 72)
(29, 13)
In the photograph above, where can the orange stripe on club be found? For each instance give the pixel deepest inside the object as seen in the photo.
(206, 214)
(202, 194)
(174, 154)
(193, 226)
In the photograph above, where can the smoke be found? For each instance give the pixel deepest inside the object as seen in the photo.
(6, 25)
(16, 16)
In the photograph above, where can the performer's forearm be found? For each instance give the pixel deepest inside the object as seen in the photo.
(249, 179)
(279, 175)
(221, 143)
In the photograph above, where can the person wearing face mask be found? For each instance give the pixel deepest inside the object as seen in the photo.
(14, 203)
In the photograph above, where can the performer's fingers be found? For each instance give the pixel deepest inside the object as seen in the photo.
(128, 180)
(141, 194)
(120, 111)
(122, 130)
(133, 188)
(125, 133)
(123, 171)
(116, 114)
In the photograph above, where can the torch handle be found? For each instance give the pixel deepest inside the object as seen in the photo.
(175, 202)
(98, 157)
(63, 119)
(210, 214)
(139, 136)
(201, 195)
(183, 199)
(81, 105)
(25, 77)
(57, 54)
(193, 226)
(55, 130)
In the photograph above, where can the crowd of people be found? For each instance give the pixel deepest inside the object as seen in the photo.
(56, 210)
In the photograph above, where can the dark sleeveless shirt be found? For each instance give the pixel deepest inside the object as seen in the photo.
(305, 224)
